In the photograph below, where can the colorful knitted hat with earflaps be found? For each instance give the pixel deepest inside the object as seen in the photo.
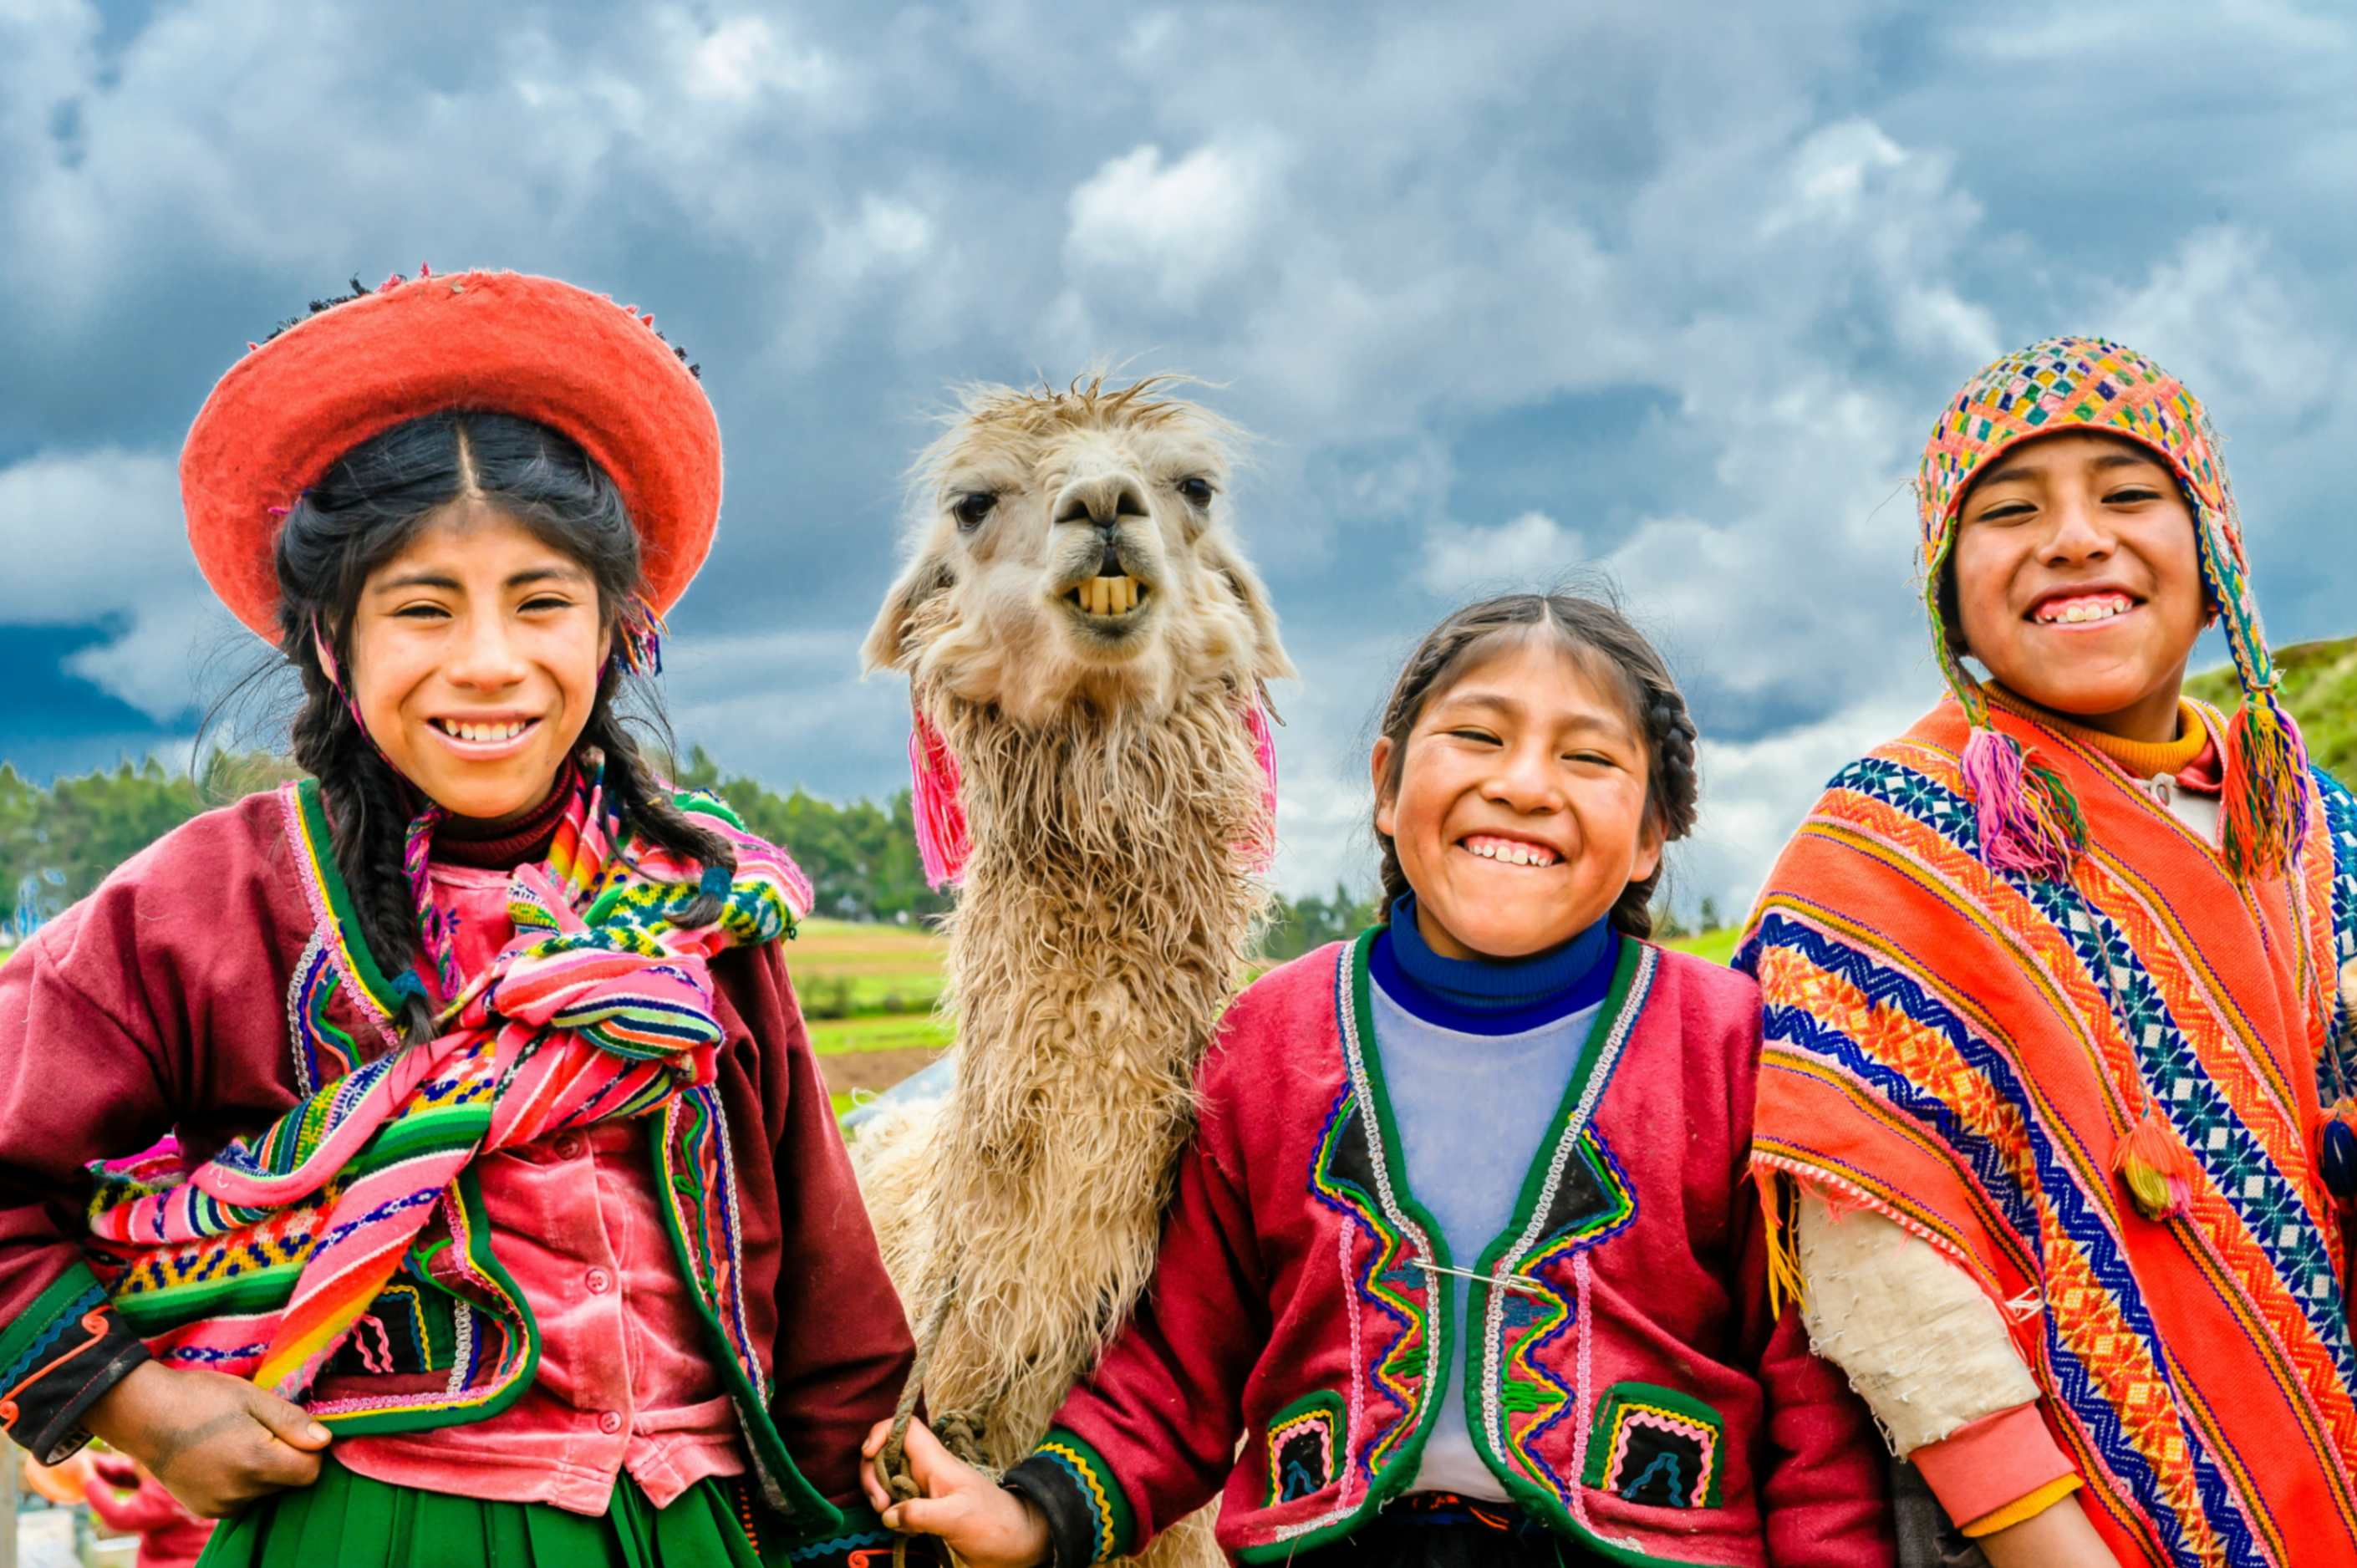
(2028, 822)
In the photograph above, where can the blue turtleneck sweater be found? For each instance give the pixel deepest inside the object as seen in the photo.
(1475, 1055)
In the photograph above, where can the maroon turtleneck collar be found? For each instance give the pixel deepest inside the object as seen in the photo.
(461, 841)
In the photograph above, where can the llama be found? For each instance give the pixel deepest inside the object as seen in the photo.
(1087, 644)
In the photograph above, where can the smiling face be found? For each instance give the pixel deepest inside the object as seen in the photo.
(1518, 802)
(1074, 547)
(475, 656)
(2078, 582)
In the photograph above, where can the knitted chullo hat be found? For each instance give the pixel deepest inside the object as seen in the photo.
(2028, 819)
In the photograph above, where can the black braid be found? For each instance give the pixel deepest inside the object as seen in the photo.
(369, 812)
(1593, 628)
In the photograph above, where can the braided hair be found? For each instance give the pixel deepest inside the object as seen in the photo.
(1601, 636)
(363, 511)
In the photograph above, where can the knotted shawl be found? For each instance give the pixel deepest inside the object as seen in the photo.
(1963, 1048)
(260, 1260)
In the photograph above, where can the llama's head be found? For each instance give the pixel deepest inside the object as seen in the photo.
(1072, 547)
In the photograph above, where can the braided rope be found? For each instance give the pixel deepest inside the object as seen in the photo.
(961, 1434)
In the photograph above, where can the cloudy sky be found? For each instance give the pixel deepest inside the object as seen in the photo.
(1668, 291)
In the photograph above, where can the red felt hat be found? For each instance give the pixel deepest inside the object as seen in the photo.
(529, 346)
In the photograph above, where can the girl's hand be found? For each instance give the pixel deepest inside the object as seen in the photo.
(982, 1523)
(216, 1442)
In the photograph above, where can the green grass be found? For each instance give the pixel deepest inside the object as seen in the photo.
(844, 970)
(890, 1032)
(1717, 946)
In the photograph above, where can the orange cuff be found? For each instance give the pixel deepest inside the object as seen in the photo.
(1996, 1471)
(2028, 1507)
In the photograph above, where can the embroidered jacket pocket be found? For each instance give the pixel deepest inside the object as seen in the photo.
(1304, 1447)
(1655, 1447)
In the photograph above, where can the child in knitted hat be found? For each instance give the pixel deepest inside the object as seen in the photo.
(2056, 1071)
(480, 1133)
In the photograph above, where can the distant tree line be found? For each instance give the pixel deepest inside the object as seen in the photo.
(56, 843)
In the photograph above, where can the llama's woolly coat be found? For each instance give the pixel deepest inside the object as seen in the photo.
(1632, 1389)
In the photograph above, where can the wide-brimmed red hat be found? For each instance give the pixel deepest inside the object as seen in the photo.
(508, 342)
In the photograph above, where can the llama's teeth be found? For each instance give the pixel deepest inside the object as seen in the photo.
(1103, 592)
(1124, 594)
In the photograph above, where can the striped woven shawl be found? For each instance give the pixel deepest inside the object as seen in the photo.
(259, 1262)
(1965, 1050)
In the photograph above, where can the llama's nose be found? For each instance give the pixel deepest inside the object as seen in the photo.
(1102, 501)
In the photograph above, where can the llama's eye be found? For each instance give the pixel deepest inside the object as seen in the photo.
(1196, 488)
(972, 507)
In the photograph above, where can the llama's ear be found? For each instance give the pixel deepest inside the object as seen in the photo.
(887, 644)
(1220, 556)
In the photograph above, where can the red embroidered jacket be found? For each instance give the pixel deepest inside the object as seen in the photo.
(215, 979)
(1627, 1384)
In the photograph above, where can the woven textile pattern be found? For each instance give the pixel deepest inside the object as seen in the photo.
(1963, 1049)
(258, 1262)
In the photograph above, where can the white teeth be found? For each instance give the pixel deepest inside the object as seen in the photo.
(484, 734)
(2079, 612)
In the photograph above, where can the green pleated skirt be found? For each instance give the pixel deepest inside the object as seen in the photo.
(345, 1520)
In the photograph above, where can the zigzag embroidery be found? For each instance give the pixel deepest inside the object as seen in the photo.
(2270, 1205)
(2075, 1383)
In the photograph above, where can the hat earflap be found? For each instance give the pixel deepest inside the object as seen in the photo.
(2028, 819)
(2262, 808)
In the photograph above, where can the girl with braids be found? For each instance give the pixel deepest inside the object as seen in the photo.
(489, 1204)
(1464, 1252)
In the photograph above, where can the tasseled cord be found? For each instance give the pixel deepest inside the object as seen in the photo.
(2028, 822)
(1262, 851)
(2157, 1168)
(942, 842)
(2263, 807)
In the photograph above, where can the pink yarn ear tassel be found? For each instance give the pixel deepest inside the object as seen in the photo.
(1262, 851)
(2028, 823)
(942, 840)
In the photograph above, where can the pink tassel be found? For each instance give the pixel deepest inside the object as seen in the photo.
(1261, 850)
(942, 840)
(2028, 822)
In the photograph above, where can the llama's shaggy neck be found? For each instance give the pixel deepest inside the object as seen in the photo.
(1107, 918)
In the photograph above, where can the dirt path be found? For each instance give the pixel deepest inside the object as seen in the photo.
(873, 1070)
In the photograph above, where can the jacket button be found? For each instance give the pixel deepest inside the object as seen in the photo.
(609, 1422)
(598, 1281)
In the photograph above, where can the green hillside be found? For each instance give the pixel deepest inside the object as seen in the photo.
(2320, 687)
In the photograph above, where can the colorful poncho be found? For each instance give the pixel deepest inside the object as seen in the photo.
(259, 1262)
(1965, 1050)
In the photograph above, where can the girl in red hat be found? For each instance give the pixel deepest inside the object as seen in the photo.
(491, 1199)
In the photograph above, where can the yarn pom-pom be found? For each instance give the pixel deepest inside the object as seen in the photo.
(2158, 1172)
(942, 840)
(2264, 804)
(1262, 848)
(2028, 822)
